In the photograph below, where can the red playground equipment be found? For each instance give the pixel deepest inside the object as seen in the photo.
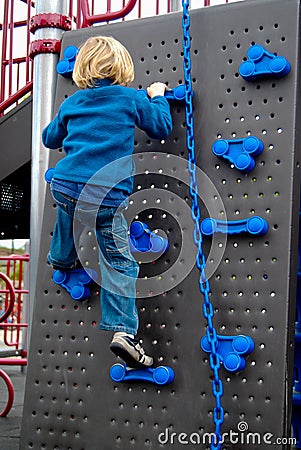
(13, 324)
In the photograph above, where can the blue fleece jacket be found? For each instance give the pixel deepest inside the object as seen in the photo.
(95, 127)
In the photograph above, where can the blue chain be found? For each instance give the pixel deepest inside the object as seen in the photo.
(215, 363)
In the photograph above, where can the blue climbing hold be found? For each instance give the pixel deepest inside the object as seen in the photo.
(71, 52)
(231, 350)
(75, 282)
(161, 375)
(240, 152)
(49, 174)
(261, 63)
(65, 66)
(256, 226)
(142, 239)
(176, 94)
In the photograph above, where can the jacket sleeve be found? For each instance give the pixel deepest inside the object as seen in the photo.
(54, 134)
(153, 116)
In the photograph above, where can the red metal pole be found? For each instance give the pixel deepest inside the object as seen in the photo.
(10, 305)
(16, 325)
(139, 9)
(6, 331)
(28, 61)
(12, 362)
(18, 305)
(11, 46)
(13, 257)
(4, 47)
(78, 14)
(90, 19)
(18, 76)
(13, 98)
(123, 5)
(11, 393)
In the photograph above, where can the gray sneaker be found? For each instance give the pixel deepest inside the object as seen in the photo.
(130, 350)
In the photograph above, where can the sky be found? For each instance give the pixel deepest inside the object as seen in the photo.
(16, 244)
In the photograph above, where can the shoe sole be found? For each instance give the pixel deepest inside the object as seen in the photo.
(120, 351)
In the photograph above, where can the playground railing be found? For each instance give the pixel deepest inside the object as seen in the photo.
(13, 319)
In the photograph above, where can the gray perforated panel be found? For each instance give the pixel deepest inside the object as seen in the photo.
(71, 402)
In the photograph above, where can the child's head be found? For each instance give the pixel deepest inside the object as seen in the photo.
(103, 57)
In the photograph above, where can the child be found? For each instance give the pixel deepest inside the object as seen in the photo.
(95, 127)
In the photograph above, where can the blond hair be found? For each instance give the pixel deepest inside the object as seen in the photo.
(103, 57)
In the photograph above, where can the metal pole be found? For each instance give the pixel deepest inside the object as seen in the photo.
(175, 5)
(26, 303)
(44, 82)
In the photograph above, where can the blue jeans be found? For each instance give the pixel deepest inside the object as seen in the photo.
(119, 270)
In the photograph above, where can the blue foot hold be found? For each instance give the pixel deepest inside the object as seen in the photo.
(65, 66)
(75, 282)
(256, 226)
(239, 152)
(160, 375)
(262, 63)
(142, 239)
(231, 350)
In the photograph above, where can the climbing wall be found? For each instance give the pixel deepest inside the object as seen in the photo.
(71, 403)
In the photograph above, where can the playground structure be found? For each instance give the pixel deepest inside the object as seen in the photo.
(13, 320)
(252, 289)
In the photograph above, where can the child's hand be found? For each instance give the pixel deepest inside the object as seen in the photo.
(156, 89)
